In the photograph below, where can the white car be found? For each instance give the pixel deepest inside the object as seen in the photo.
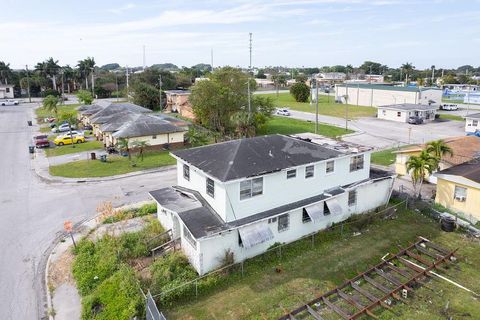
(9, 102)
(74, 133)
(449, 107)
(62, 128)
(283, 112)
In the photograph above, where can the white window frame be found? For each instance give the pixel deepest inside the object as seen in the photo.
(283, 226)
(350, 202)
(249, 188)
(460, 193)
(333, 167)
(309, 171)
(186, 172)
(475, 123)
(292, 173)
(357, 162)
(212, 193)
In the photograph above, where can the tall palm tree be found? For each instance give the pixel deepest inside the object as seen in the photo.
(123, 144)
(439, 149)
(50, 103)
(53, 69)
(244, 124)
(141, 146)
(86, 67)
(407, 68)
(5, 72)
(419, 166)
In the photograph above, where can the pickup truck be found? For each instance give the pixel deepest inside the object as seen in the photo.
(9, 102)
(41, 141)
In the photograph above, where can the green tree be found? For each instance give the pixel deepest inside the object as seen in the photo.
(418, 167)
(71, 119)
(84, 96)
(123, 144)
(85, 68)
(195, 137)
(141, 146)
(439, 149)
(370, 67)
(300, 91)
(146, 95)
(6, 73)
(50, 103)
(301, 78)
(244, 124)
(407, 68)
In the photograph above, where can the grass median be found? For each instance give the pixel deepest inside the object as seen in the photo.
(384, 157)
(68, 149)
(326, 106)
(115, 165)
(285, 125)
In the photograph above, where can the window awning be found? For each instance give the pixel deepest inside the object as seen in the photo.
(334, 206)
(255, 234)
(315, 212)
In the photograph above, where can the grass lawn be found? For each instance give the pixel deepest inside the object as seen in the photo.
(263, 293)
(42, 113)
(114, 165)
(67, 149)
(384, 157)
(451, 117)
(326, 106)
(284, 125)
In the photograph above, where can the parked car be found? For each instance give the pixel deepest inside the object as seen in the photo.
(449, 107)
(415, 120)
(64, 127)
(87, 127)
(283, 112)
(73, 133)
(41, 141)
(9, 102)
(63, 140)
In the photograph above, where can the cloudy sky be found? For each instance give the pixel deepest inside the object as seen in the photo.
(445, 33)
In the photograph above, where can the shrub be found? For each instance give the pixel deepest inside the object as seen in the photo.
(51, 92)
(84, 97)
(300, 91)
(118, 297)
(144, 210)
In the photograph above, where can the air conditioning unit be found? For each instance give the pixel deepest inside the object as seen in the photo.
(460, 198)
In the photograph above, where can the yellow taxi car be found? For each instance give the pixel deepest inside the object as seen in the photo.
(66, 139)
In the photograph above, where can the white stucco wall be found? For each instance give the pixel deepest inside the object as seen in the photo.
(374, 97)
(6, 95)
(160, 139)
(393, 115)
(471, 125)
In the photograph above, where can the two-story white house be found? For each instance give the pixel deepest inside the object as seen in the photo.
(245, 195)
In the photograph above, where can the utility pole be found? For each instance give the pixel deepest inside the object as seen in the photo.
(28, 84)
(433, 74)
(144, 62)
(346, 106)
(63, 88)
(316, 106)
(211, 58)
(93, 82)
(116, 84)
(160, 86)
(127, 85)
(248, 81)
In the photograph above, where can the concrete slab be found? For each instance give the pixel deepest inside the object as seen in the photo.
(67, 302)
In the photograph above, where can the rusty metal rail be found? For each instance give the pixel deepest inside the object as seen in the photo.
(388, 281)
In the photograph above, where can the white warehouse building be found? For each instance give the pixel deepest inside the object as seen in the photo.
(245, 195)
(376, 95)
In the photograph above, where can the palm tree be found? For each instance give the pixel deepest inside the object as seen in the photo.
(439, 149)
(52, 71)
(141, 146)
(195, 137)
(244, 125)
(86, 67)
(123, 144)
(50, 103)
(419, 166)
(407, 68)
(71, 119)
(5, 72)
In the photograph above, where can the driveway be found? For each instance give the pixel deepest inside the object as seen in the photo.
(32, 213)
(379, 133)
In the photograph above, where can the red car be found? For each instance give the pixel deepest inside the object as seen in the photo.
(41, 141)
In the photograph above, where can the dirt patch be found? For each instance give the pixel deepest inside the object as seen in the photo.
(140, 265)
(60, 271)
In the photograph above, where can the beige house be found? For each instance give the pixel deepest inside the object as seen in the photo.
(379, 94)
(177, 102)
(402, 112)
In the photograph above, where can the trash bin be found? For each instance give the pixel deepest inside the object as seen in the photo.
(29, 123)
(103, 158)
(93, 156)
(31, 149)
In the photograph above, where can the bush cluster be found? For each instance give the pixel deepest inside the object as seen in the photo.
(149, 208)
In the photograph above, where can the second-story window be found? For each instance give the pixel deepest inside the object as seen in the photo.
(186, 172)
(356, 163)
(291, 173)
(330, 166)
(210, 188)
(309, 171)
(251, 188)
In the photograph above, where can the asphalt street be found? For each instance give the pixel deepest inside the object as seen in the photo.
(32, 213)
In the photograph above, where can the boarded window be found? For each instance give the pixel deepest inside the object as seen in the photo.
(309, 171)
(291, 173)
(475, 123)
(305, 217)
(352, 198)
(283, 222)
(356, 163)
(460, 193)
(210, 187)
(251, 188)
(330, 166)
(186, 172)
(189, 237)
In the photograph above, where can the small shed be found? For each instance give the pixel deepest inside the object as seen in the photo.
(401, 112)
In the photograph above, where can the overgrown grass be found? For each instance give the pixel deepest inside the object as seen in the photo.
(284, 125)
(384, 157)
(68, 149)
(115, 165)
(453, 117)
(326, 106)
(306, 272)
(144, 210)
(42, 113)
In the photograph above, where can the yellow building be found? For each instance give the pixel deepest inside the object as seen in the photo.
(458, 189)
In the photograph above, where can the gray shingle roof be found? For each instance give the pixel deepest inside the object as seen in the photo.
(409, 107)
(145, 125)
(114, 108)
(469, 170)
(473, 115)
(254, 156)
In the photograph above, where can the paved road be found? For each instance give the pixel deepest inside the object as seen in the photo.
(382, 133)
(32, 213)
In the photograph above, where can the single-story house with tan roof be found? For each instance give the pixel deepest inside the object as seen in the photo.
(464, 149)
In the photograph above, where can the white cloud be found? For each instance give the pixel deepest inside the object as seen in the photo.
(123, 8)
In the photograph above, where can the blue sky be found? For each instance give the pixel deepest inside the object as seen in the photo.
(445, 33)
